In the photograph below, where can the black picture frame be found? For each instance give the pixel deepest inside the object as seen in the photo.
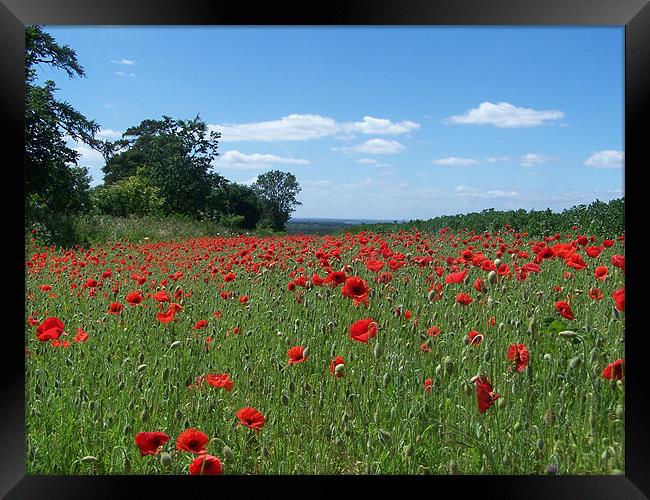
(16, 14)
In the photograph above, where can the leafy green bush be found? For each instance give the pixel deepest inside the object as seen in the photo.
(130, 196)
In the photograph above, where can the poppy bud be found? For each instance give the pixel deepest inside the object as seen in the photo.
(467, 389)
(285, 399)
(292, 387)
(165, 374)
(127, 465)
(408, 450)
(548, 357)
(305, 352)
(453, 468)
(620, 413)
(497, 262)
(492, 277)
(551, 469)
(438, 369)
(338, 441)
(384, 436)
(387, 378)
(339, 370)
(378, 350)
(144, 416)
(141, 367)
(487, 356)
(165, 459)
(448, 365)
(141, 358)
(175, 344)
(540, 444)
(575, 362)
(568, 334)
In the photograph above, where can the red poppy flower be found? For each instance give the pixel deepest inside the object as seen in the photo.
(454, 278)
(519, 354)
(425, 348)
(618, 261)
(608, 243)
(595, 293)
(474, 338)
(563, 250)
(291, 286)
(531, 267)
(546, 253)
(479, 285)
(593, 251)
(243, 299)
(363, 330)
(614, 371)
(50, 329)
(168, 316)
(161, 296)
(205, 464)
(296, 355)
(484, 394)
(464, 299)
(220, 380)
(434, 331)
(81, 336)
(60, 343)
(576, 261)
(564, 309)
(91, 283)
(32, 321)
(335, 278)
(251, 418)
(134, 298)
(601, 273)
(202, 323)
(619, 299)
(338, 360)
(357, 290)
(229, 277)
(317, 280)
(428, 383)
(45, 288)
(374, 265)
(115, 309)
(192, 440)
(150, 443)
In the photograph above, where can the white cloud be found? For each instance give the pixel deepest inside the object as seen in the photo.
(606, 159)
(88, 155)
(494, 159)
(249, 182)
(119, 73)
(319, 183)
(493, 193)
(376, 147)
(505, 115)
(530, 159)
(453, 161)
(236, 160)
(304, 127)
(127, 62)
(380, 126)
(108, 133)
(367, 161)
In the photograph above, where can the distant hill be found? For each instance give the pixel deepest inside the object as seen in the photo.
(322, 225)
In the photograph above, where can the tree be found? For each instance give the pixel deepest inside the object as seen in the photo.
(174, 156)
(236, 199)
(53, 182)
(130, 196)
(278, 191)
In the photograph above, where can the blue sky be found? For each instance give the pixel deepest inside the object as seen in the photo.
(375, 122)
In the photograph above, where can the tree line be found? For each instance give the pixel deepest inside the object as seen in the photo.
(158, 167)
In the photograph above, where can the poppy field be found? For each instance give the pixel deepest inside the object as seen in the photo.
(402, 352)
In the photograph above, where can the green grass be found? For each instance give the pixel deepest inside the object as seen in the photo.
(91, 399)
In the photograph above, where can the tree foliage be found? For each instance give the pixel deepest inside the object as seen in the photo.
(236, 199)
(174, 156)
(277, 191)
(130, 196)
(52, 178)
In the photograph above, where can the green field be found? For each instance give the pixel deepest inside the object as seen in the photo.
(86, 400)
